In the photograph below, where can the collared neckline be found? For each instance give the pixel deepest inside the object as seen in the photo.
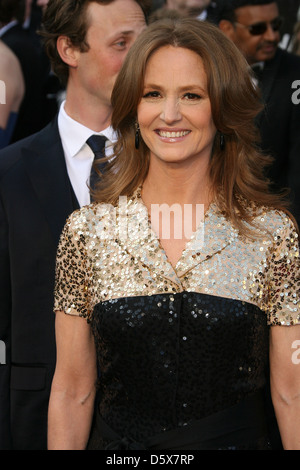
(213, 234)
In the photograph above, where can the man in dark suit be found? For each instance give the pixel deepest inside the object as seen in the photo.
(43, 178)
(254, 26)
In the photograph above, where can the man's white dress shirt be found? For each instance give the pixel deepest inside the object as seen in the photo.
(7, 27)
(79, 156)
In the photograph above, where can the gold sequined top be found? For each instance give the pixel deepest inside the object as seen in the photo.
(108, 252)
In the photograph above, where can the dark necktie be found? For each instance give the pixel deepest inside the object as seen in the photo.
(97, 144)
(258, 71)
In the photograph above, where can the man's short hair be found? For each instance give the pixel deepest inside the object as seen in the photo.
(226, 8)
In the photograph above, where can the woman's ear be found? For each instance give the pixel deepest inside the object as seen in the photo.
(67, 52)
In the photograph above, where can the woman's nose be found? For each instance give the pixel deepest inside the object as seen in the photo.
(171, 111)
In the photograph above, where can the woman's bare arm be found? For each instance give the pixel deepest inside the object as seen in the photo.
(285, 382)
(73, 389)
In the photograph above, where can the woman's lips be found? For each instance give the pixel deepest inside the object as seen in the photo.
(175, 134)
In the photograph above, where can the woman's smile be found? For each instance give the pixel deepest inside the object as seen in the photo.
(172, 135)
(174, 114)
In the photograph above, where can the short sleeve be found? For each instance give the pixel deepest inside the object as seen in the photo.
(284, 287)
(72, 279)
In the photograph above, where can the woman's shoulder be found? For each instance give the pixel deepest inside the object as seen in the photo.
(90, 218)
(261, 211)
(275, 222)
(91, 213)
(272, 218)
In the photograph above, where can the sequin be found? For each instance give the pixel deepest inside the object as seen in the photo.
(93, 268)
(164, 336)
(149, 371)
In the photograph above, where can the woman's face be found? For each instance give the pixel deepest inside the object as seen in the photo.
(174, 113)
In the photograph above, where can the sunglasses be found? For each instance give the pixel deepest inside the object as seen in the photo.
(257, 29)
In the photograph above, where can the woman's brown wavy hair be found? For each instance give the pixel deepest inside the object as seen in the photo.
(237, 172)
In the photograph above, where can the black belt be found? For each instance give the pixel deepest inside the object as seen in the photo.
(240, 424)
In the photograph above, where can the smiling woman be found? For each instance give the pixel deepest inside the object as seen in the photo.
(182, 325)
(224, 90)
(174, 114)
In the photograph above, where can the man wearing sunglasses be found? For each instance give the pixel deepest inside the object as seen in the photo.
(254, 26)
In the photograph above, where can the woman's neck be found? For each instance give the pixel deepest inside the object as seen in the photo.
(181, 185)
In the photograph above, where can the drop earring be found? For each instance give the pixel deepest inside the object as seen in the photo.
(222, 141)
(137, 136)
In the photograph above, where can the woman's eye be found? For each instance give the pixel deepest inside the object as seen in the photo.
(192, 96)
(151, 94)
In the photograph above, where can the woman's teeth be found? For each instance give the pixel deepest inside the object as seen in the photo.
(173, 134)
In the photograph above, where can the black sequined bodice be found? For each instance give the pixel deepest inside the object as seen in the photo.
(165, 360)
(177, 344)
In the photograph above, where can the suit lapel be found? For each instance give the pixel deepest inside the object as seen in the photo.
(46, 169)
(266, 84)
(268, 77)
